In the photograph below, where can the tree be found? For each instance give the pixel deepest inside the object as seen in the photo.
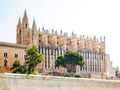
(60, 61)
(33, 58)
(70, 59)
(17, 67)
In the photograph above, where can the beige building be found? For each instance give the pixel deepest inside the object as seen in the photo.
(53, 44)
(10, 52)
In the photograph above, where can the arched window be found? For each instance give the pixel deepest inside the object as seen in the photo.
(5, 62)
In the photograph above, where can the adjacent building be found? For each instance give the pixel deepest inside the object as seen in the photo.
(9, 52)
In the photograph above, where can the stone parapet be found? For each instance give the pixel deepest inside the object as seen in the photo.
(40, 82)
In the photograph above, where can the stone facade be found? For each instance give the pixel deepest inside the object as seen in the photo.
(52, 44)
(10, 52)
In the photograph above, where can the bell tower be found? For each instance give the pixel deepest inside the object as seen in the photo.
(24, 33)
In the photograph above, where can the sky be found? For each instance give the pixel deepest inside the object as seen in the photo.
(83, 17)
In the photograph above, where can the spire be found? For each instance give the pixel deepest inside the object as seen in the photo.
(25, 20)
(61, 31)
(19, 22)
(100, 39)
(56, 32)
(72, 33)
(34, 25)
(39, 29)
(25, 14)
(104, 38)
(94, 38)
(52, 30)
(43, 28)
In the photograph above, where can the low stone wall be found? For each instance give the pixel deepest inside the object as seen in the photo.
(38, 82)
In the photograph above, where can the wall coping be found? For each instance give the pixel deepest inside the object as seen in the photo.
(43, 77)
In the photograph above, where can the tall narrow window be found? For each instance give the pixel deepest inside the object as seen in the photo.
(42, 49)
(16, 55)
(26, 25)
(95, 55)
(5, 62)
(51, 50)
(20, 32)
(5, 54)
(88, 55)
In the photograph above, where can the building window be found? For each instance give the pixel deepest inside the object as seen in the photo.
(102, 56)
(5, 62)
(20, 31)
(16, 55)
(26, 25)
(88, 55)
(5, 54)
(95, 55)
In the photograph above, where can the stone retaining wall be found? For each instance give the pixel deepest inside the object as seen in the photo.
(38, 82)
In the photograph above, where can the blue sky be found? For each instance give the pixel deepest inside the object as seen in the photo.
(83, 17)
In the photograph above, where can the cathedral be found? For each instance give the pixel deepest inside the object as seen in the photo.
(53, 44)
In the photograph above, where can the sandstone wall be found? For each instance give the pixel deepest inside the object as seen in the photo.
(23, 82)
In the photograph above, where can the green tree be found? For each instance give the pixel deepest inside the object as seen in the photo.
(77, 76)
(17, 67)
(60, 61)
(70, 59)
(15, 64)
(33, 58)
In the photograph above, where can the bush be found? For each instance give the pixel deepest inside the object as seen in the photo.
(67, 75)
(35, 72)
(77, 76)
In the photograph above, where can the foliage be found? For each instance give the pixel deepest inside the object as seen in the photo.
(67, 75)
(77, 76)
(70, 59)
(101, 74)
(33, 58)
(60, 61)
(15, 64)
(21, 69)
(35, 72)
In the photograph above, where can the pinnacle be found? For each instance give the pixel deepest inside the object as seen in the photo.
(34, 25)
(25, 14)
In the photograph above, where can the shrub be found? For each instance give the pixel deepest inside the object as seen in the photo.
(35, 72)
(77, 76)
(67, 75)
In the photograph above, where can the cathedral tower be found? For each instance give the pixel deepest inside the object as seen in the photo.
(26, 35)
